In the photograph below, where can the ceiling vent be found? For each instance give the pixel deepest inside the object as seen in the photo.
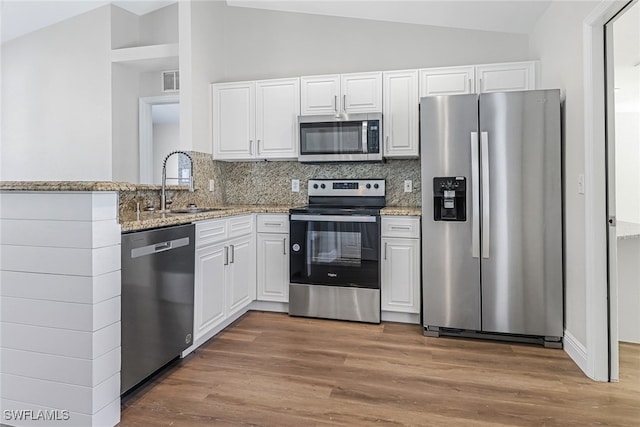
(170, 81)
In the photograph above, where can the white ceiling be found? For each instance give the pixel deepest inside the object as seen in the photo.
(511, 16)
(20, 17)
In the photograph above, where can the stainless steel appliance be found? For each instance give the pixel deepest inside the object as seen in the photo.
(157, 300)
(351, 137)
(335, 251)
(492, 216)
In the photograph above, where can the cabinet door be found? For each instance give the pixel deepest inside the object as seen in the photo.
(277, 110)
(319, 94)
(401, 101)
(233, 121)
(446, 81)
(273, 267)
(241, 279)
(505, 77)
(209, 293)
(401, 275)
(361, 92)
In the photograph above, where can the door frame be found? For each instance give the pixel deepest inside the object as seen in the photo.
(145, 132)
(601, 327)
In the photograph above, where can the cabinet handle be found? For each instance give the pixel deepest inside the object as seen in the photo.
(344, 103)
(226, 255)
(335, 103)
(284, 246)
(397, 227)
(251, 147)
(385, 250)
(258, 147)
(233, 254)
(274, 224)
(470, 91)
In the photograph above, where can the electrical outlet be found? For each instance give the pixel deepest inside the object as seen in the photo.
(295, 185)
(408, 186)
(211, 187)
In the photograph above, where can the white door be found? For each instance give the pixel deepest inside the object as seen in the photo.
(319, 95)
(401, 275)
(361, 92)
(447, 81)
(273, 267)
(209, 306)
(400, 110)
(277, 110)
(241, 281)
(233, 121)
(506, 77)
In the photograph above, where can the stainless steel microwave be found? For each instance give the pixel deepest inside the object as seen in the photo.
(348, 138)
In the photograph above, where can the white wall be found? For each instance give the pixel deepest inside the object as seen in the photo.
(56, 102)
(627, 166)
(233, 44)
(165, 137)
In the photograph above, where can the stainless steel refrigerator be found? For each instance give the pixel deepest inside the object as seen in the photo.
(492, 216)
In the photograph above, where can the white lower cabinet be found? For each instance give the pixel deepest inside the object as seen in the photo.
(401, 264)
(273, 258)
(225, 271)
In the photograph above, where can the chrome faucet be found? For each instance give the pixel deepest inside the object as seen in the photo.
(163, 196)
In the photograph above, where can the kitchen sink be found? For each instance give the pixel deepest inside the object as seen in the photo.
(193, 210)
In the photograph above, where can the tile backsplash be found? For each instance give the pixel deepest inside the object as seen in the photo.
(269, 183)
(264, 183)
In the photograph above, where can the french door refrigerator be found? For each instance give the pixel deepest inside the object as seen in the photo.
(492, 216)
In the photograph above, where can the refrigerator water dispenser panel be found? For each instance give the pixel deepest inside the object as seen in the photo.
(449, 198)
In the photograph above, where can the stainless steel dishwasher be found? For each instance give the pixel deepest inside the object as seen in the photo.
(157, 300)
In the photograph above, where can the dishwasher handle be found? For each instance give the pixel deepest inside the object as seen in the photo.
(159, 247)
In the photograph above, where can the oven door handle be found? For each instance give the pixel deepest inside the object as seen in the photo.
(334, 218)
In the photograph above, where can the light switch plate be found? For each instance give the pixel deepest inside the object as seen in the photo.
(408, 186)
(295, 185)
(211, 187)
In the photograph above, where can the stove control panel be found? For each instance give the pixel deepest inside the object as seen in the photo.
(346, 187)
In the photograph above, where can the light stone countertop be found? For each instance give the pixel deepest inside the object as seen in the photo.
(627, 230)
(81, 186)
(145, 220)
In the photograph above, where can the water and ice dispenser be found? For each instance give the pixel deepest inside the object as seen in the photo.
(449, 198)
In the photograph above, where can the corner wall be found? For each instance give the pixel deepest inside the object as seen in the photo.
(56, 101)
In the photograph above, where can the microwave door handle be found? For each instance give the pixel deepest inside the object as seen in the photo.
(364, 136)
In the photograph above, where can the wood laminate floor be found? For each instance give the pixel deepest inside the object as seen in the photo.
(269, 369)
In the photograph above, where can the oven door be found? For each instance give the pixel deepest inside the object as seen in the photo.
(335, 250)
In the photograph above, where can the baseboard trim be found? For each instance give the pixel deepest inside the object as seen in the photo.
(392, 316)
(576, 351)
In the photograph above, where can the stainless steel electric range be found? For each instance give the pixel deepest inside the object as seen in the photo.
(335, 251)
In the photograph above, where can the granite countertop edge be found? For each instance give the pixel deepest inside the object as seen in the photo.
(147, 220)
(81, 186)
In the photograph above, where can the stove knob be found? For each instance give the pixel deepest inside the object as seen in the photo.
(368, 186)
(375, 186)
(315, 186)
(322, 186)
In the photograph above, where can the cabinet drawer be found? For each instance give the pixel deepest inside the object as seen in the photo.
(210, 232)
(408, 227)
(273, 223)
(240, 225)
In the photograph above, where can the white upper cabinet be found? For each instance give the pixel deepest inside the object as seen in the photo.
(319, 95)
(506, 77)
(233, 123)
(255, 120)
(346, 93)
(361, 92)
(277, 110)
(400, 112)
(447, 81)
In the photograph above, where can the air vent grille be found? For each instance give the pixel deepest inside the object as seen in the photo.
(171, 81)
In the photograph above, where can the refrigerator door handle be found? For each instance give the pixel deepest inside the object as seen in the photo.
(475, 196)
(486, 211)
